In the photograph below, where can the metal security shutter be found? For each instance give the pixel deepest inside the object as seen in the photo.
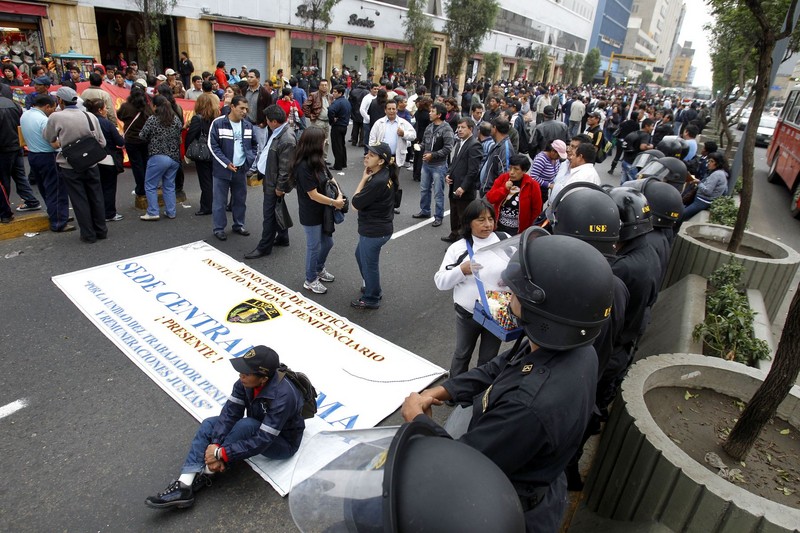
(237, 50)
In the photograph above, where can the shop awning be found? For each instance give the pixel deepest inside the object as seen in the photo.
(307, 36)
(354, 42)
(19, 8)
(244, 30)
(398, 46)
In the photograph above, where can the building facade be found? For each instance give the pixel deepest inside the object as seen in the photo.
(681, 74)
(610, 29)
(653, 28)
(272, 35)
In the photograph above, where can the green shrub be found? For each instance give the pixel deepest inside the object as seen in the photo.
(727, 330)
(723, 211)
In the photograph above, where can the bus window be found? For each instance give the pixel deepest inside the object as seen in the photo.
(789, 104)
(792, 116)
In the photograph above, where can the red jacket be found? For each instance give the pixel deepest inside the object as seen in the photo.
(530, 199)
(222, 78)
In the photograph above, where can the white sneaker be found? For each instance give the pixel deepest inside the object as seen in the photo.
(149, 217)
(315, 287)
(325, 276)
(115, 218)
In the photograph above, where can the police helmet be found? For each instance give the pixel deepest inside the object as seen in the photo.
(666, 203)
(565, 287)
(585, 211)
(634, 211)
(667, 169)
(642, 158)
(673, 146)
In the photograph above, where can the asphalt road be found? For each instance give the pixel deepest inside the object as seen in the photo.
(98, 436)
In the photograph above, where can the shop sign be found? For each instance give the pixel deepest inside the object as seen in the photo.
(365, 22)
(306, 11)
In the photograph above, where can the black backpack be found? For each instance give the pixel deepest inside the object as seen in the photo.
(305, 387)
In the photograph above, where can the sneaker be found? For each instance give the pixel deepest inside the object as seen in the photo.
(315, 286)
(115, 218)
(409, 166)
(326, 276)
(201, 481)
(29, 207)
(149, 217)
(177, 494)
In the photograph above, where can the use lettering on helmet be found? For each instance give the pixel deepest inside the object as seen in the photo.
(598, 228)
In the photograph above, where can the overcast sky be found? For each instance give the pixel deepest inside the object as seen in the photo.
(697, 14)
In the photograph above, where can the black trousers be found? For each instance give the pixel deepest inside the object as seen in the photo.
(355, 133)
(137, 155)
(457, 208)
(206, 184)
(338, 135)
(86, 196)
(108, 182)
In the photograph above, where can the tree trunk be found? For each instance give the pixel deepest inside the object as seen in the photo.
(779, 381)
(748, 144)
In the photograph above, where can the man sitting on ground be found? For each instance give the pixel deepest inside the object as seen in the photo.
(273, 427)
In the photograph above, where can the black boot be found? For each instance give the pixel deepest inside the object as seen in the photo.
(175, 495)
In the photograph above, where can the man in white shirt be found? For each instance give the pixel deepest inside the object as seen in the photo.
(364, 110)
(579, 167)
(394, 131)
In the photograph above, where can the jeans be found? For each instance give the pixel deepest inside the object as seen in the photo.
(137, 155)
(318, 246)
(574, 127)
(691, 210)
(161, 168)
(628, 173)
(432, 176)
(51, 186)
(237, 186)
(467, 334)
(365, 136)
(243, 429)
(368, 254)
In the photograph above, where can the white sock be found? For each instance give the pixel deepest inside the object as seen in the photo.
(187, 479)
(206, 470)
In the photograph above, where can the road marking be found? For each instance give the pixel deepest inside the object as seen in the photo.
(415, 227)
(13, 407)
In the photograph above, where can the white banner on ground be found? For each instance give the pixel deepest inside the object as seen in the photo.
(181, 313)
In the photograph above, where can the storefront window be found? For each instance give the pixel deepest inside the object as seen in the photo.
(303, 55)
(22, 41)
(394, 60)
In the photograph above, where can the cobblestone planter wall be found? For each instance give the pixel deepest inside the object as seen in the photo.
(641, 474)
(772, 276)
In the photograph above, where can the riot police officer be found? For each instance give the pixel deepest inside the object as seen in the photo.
(530, 405)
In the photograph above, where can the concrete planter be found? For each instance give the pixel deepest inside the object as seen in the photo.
(772, 275)
(639, 474)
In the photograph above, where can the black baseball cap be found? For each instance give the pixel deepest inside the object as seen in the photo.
(258, 360)
(382, 150)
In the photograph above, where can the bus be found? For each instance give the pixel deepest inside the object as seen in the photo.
(783, 154)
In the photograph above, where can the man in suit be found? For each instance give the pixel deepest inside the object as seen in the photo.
(463, 174)
(274, 164)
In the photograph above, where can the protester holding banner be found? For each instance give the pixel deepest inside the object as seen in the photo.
(261, 417)
(374, 199)
(456, 273)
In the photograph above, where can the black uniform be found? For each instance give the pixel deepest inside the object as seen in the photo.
(529, 411)
(659, 242)
(638, 266)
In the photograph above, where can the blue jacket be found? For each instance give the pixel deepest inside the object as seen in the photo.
(339, 113)
(277, 406)
(220, 142)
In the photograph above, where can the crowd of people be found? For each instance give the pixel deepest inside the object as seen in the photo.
(515, 158)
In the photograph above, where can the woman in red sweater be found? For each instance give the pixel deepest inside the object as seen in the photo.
(294, 113)
(516, 197)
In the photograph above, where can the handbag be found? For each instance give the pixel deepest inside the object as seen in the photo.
(85, 152)
(332, 192)
(282, 217)
(198, 149)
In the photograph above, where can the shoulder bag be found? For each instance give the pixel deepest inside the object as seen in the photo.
(198, 149)
(85, 152)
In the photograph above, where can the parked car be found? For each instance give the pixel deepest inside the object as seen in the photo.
(766, 128)
(742, 124)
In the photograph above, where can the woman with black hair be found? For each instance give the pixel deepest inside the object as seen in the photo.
(376, 107)
(112, 165)
(456, 273)
(166, 91)
(374, 199)
(163, 131)
(134, 113)
(312, 177)
(712, 186)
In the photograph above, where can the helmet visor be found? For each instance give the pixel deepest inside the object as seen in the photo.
(519, 273)
(643, 159)
(654, 169)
